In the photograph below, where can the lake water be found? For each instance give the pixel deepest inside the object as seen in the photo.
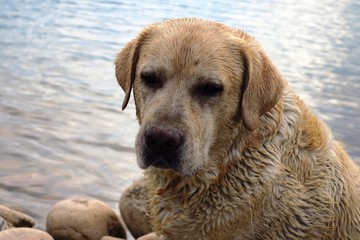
(62, 131)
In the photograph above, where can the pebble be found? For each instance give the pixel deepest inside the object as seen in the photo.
(132, 208)
(15, 219)
(83, 219)
(24, 234)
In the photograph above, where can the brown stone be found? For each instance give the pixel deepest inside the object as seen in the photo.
(83, 219)
(16, 219)
(132, 209)
(24, 234)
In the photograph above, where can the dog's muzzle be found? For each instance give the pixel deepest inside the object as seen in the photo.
(162, 145)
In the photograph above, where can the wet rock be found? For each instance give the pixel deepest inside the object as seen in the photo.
(83, 219)
(132, 209)
(150, 236)
(24, 234)
(16, 219)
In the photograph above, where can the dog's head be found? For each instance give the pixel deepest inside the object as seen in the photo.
(194, 81)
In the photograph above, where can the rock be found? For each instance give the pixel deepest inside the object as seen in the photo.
(16, 219)
(111, 238)
(132, 209)
(24, 234)
(150, 236)
(83, 219)
(3, 224)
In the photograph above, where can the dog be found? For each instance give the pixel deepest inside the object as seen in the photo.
(229, 150)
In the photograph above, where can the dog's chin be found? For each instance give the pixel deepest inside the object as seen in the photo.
(163, 167)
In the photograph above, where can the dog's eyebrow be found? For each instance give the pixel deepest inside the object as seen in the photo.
(150, 70)
(214, 79)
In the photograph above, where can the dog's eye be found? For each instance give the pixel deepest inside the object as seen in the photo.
(150, 79)
(209, 89)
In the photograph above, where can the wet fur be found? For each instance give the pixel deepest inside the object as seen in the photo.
(270, 169)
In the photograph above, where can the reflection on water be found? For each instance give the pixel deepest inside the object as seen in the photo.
(61, 129)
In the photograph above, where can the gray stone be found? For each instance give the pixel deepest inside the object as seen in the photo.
(3, 224)
(83, 219)
(132, 209)
(24, 234)
(16, 219)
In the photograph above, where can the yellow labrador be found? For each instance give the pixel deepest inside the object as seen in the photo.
(229, 150)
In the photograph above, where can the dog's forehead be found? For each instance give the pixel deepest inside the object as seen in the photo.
(190, 48)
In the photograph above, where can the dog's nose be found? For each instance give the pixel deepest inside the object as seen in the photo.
(163, 140)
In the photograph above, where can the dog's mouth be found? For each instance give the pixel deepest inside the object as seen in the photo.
(161, 161)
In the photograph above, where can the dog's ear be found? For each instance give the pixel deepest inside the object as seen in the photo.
(126, 63)
(261, 88)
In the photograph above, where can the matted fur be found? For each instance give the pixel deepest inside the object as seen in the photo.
(256, 163)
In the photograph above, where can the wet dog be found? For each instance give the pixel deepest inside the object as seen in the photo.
(229, 150)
